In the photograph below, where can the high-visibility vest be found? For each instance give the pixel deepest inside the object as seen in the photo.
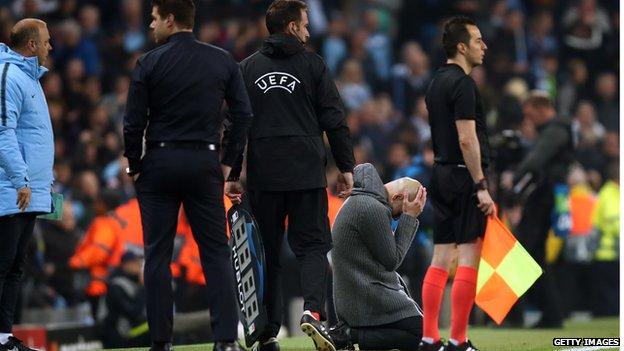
(606, 219)
(96, 252)
(582, 203)
(189, 257)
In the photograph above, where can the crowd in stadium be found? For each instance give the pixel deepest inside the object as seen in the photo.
(382, 54)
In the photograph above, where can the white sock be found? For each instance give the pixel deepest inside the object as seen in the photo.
(4, 337)
(455, 342)
(308, 312)
(427, 340)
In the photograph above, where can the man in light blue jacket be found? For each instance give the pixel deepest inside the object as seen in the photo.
(26, 159)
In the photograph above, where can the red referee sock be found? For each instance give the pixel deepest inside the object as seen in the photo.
(432, 292)
(462, 299)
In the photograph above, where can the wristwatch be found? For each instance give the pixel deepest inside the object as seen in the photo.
(480, 185)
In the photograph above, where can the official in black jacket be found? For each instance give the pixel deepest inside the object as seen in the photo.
(545, 166)
(175, 97)
(294, 101)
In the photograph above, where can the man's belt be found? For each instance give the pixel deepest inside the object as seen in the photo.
(197, 145)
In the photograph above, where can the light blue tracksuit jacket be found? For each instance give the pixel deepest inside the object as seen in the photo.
(26, 140)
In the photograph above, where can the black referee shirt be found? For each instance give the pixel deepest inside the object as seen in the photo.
(177, 93)
(453, 95)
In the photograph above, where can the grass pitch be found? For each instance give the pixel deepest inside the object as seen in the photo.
(486, 339)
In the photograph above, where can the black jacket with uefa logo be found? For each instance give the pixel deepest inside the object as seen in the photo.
(294, 100)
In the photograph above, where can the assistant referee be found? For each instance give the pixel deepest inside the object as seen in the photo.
(459, 191)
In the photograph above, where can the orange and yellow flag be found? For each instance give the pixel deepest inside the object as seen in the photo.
(506, 271)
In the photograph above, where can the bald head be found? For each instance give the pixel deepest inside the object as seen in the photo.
(30, 37)
(396, 190)
(402, 186)
(24, 31)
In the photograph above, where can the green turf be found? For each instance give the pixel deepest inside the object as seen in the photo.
(487, 339)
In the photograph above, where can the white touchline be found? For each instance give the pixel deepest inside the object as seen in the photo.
(591, 348)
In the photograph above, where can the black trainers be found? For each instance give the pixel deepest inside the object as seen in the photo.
(268, 345)
(464, 346)
(15, 344)
(341, 336)
(436, 346)
(318, 332)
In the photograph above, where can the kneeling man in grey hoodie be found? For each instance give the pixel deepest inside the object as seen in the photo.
(373, 305)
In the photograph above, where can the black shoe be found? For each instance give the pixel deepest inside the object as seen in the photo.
(161, 346)
(464, 346)
(341, 336)
(15, 344)
(268, 345)
(317, 331)
(436, 346)
(226, 346)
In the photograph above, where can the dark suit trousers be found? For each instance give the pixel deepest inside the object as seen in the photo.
(168, 178)
(16, 231)
(404, 335)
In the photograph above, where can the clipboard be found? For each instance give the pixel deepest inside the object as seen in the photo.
(57, 209)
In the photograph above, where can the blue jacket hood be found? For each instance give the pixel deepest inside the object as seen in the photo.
(29, 65)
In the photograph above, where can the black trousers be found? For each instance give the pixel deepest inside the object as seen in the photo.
(170, 177)
(15, 231)
(404, 335)
(532, 233)
(309, 238)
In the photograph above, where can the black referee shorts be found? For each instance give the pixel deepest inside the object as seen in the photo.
(457, 218)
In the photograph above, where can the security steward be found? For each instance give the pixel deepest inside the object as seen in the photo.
(177, 92)
(295, 101)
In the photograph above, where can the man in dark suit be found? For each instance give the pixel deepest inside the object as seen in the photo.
(179, 88)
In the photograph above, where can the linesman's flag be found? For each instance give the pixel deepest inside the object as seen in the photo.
(506, 271)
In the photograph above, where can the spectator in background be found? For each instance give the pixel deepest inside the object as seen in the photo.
(134, 36)
(588, 135)
(96, 249)
(607, 102)
(358, 51)
(411, 77)
(586, 26)
(125, 324)
(378, 44)
(89, 17)
(606, 220)
(60, 239)
(511, 42)
(353, 89)
(334, 48)
(87, 190)
(541, 38)
(420, 120)
(72, 45)
(574, 88)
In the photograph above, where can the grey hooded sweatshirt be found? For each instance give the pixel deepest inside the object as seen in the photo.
(366, 254)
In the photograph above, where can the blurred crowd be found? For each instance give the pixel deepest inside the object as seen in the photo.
(382, 54)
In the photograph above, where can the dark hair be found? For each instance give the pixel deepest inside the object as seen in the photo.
(455, 32)
(183, 11)
(539, 99)
(20, 38)
(282, 12)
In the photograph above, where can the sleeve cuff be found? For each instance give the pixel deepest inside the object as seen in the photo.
(134, 165)
(23, 182)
